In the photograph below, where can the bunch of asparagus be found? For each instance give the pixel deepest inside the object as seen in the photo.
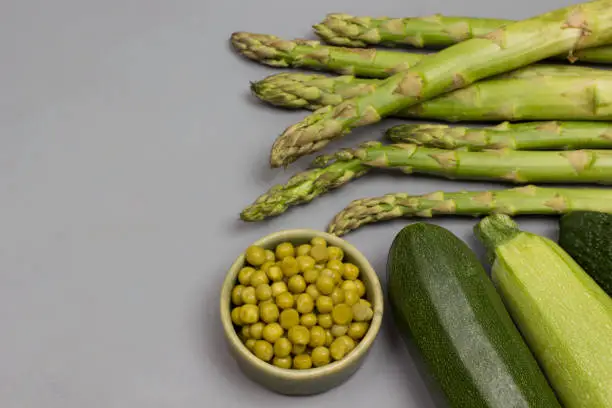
(482, 70)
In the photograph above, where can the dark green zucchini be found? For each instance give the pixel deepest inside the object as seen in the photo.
(587, 237)
(443, 301)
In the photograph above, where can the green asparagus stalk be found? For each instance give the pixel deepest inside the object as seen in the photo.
(516, 167)
(527, 200)
(526, 94)
(436, 31)
(508, 48)
(518, 136)
(364, 62)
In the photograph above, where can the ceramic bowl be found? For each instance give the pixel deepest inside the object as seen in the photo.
(314, 380)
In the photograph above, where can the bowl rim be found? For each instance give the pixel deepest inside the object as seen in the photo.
(354, 356)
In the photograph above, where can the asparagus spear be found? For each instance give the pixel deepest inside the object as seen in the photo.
(518, 136)
(434, 31)
(525, 96)
(517, 167)
(508, 48)
(367, 62)
(529, 200)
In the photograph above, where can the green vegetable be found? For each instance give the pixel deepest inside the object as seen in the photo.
(534, 93)
(519, 136)
(585, 235)
(520, 167)
(529, 200)
(430, 31)
(443, 301)
(510, 47)
(276, 52)
(563, 315)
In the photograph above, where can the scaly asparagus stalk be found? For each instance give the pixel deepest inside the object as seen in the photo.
(508, 48)
(424, 32)
(518, 95)
(366, 62)
(519, 136)
(529, 200)
(517, 167)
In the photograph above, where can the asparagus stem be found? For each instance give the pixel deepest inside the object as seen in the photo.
(367, 62)
(519, 136)
(510, 47)
(434, 31)
(516, 167)
(537, 92)
(529, 200)
(302, 188)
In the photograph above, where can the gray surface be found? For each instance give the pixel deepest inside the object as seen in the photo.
(129, 145)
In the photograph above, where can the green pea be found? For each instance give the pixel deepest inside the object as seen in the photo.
(248, 295)
(275, 273)
(282, 347)
(270, 256)
(325, 320)
(302, 362)
(319, 267)
(272, 332)
(249, 314)
(285, 250)
(362, 311)
(296, 284)
(284, 300)
(244, 276)
(298, 349)
(337, 296)
(318, 241)
(236, 316)
(250, 344)
(320, 356)
(351, 271)
(361, 289)
(335, 253)
(237, 295)
(329, 338)
(338, 330)
(258, 278)
(325, 304)
(255, 255)
(350, 343)
(246, 332)
(303, 250)
(268, 312)
(311, 275)
(319, 253)
(308, 320)
(342, 314)
(317, 336)
(256, 330)
(325, 284)
(338, 349)
(357, 330)
(263, 350)
(283, 362)
(313, 291)
(304, 303)
(289, 266)
(266, 266)
(299, 335)
(350, 297)
(279, 287)
(289, 318)
(305, 262)
(336, 266)
(348, 285)
(263, 292)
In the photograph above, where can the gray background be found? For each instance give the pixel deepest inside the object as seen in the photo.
(129, 144)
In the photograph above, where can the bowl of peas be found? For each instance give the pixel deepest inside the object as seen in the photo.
(300, 309)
